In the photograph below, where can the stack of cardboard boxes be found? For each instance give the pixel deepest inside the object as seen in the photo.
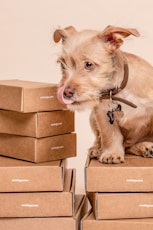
(33, 124)
(37, 191)
(121, 195)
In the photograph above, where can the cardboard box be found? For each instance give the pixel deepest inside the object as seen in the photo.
(89, 223)
(49, 223)
(40, 204)
(135, 175)
(121, 205)
(38, 125)
(38, 150)
(22, 176)
(28, 96)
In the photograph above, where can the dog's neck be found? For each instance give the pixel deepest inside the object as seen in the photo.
(110, 93)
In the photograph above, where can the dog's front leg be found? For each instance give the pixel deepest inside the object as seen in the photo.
(95, 150)
(111, 147)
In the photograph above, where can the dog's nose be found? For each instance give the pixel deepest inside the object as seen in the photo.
(69, 92)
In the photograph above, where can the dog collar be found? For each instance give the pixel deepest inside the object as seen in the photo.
(109, 94)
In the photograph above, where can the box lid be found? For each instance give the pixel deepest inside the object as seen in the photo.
(90, 223)
(135, 175)
(122, 205)
(38, 124)
(28, 96)
(54, 223)
(38, 149)
(22, 176)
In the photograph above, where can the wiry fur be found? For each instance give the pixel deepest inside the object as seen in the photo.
(132, 130)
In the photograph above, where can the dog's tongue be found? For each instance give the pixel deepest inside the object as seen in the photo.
(60, 96)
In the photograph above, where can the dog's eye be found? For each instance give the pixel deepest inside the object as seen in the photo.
(89, 65)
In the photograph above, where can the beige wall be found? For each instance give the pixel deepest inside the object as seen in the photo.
(28, 52)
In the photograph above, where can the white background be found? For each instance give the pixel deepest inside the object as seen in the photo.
(27, 51)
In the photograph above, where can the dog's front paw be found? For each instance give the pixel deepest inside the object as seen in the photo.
(111, 158)
(94, 152)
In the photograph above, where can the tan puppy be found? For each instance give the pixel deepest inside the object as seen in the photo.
(117, 86)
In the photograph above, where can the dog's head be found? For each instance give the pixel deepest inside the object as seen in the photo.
(89, 61)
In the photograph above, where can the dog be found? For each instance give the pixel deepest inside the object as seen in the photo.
(117, 86)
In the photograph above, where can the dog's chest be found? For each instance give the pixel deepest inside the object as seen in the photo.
(129, 114)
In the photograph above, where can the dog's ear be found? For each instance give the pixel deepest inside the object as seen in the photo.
(113, 36)
(63, 33)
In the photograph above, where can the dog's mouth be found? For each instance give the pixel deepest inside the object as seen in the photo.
(62, 99)
(71, 101)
